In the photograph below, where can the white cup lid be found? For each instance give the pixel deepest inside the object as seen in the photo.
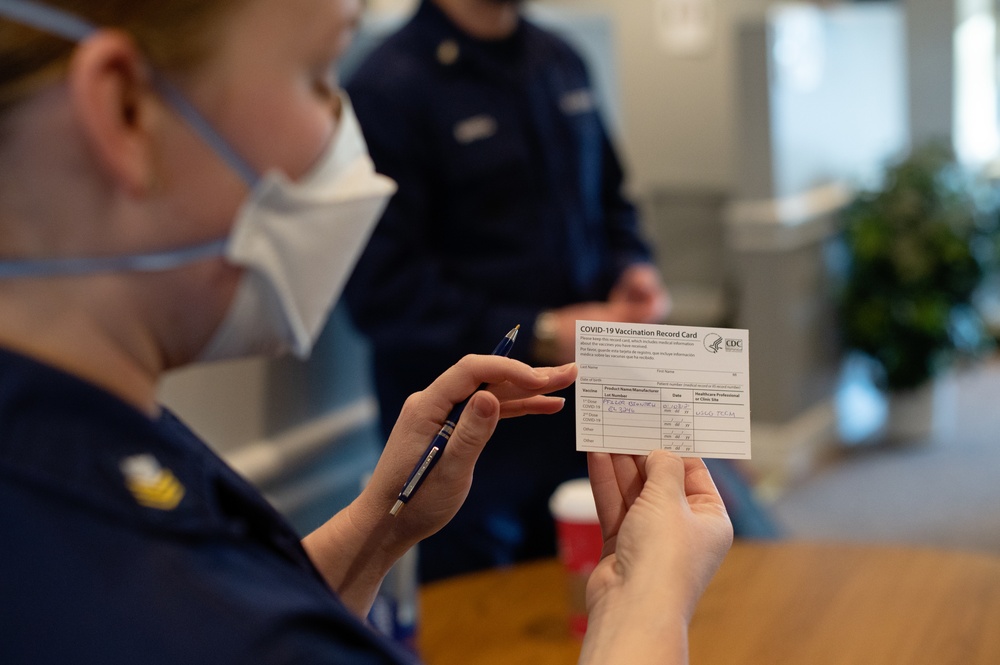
(573, 501)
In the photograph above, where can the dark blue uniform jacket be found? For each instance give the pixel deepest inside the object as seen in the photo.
(125, 540)
(509, 196)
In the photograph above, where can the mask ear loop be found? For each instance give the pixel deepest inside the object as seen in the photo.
(151, 262)
(64, 24)
(75, 29)
(176, 100)
(47, 19)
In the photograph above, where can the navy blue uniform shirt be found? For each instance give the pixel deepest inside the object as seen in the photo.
(509, 197)
(126, 540)
(509, 203)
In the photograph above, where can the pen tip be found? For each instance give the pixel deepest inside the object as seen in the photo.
(396, 508)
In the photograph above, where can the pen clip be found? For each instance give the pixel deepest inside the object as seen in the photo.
(418, 474)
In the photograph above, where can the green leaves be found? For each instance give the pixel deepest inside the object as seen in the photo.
(918, 249)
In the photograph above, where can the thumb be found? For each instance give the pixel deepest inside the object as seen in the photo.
(475, 427)
(665, 470)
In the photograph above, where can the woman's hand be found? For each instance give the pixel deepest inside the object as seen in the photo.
(666, 532)
(515, 389)
(357, 546)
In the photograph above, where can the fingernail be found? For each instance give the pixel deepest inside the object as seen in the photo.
(484, 408)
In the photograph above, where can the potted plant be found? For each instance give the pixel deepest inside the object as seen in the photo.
(917, 249)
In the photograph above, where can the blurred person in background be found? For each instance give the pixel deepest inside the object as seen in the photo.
(510, 210)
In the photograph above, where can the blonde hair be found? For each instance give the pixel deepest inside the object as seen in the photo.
(176, 35)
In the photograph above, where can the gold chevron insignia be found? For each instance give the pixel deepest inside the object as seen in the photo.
(151, 484)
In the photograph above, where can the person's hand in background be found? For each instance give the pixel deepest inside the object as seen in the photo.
(637, 297)
(640, 290)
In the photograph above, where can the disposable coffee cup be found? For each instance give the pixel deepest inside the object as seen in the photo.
(578, 534)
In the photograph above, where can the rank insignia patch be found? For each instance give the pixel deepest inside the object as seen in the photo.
(151, 484)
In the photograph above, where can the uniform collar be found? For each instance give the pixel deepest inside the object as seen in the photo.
(453, 47)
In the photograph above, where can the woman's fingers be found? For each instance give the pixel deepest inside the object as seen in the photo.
(474, 429)
(555, 378)
(510, 380)
(698, 481)
(611, 507)
(464, 377)
(537, 405)
(630, 474)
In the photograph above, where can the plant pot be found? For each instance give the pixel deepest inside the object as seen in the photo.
(913, 416)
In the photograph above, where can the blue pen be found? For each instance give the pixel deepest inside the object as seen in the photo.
(436, 447)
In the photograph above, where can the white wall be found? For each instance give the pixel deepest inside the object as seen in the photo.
(676, 108)
(838, 95)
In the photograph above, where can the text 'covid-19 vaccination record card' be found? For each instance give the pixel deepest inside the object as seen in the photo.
(645, 387)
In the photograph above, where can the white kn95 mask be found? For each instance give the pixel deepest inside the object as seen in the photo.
(296, 241)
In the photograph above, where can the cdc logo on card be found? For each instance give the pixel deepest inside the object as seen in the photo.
(715, 343)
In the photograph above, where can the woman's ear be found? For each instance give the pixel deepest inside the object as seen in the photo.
(110, 87)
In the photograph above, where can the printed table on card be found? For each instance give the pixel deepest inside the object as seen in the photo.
(680, 388)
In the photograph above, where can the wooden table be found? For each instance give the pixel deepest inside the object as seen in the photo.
(770, 603)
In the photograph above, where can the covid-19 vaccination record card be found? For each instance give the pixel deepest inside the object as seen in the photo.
(646, 387)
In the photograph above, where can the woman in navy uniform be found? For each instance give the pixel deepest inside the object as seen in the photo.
(180, 181)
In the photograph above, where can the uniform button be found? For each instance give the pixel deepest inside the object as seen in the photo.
(447, 52)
